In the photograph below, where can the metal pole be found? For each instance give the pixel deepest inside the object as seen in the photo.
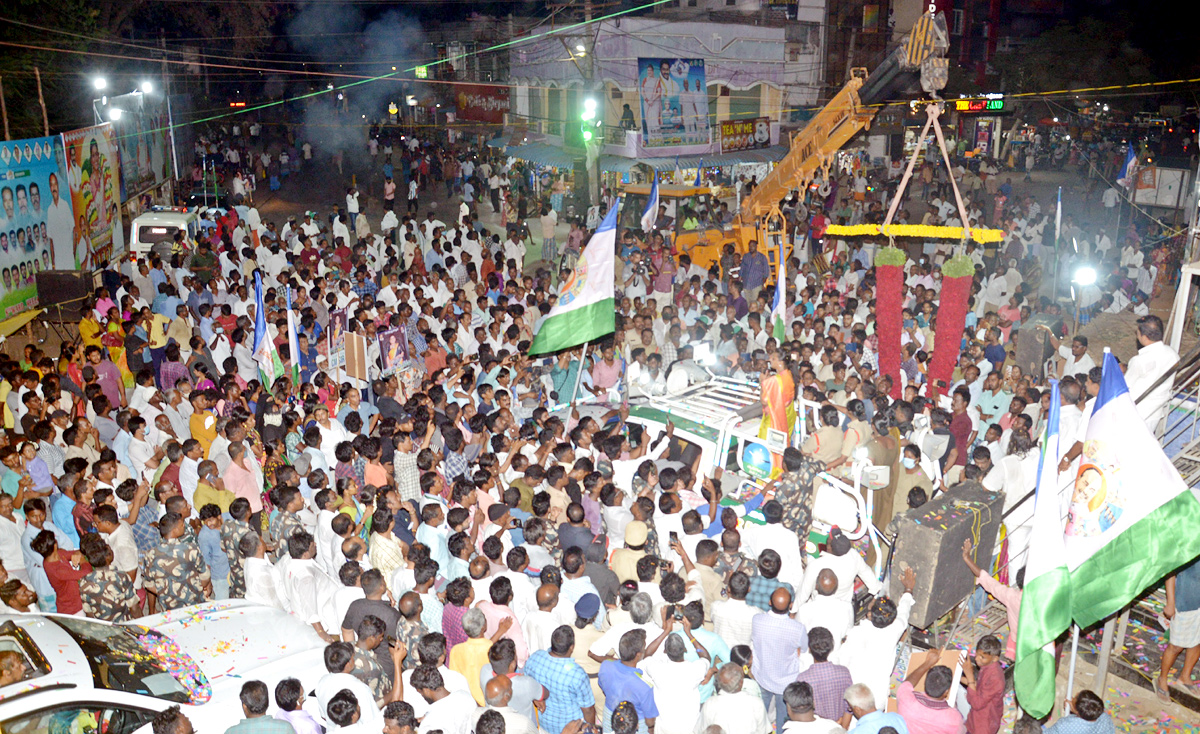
(1120, 205)
(1189, 251)
(1057, 237)
(4, 110)
(1071, 669)
(1106, 648)
(1122, 625)
(579, 374)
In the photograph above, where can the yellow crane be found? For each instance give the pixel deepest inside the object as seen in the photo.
(922, 55)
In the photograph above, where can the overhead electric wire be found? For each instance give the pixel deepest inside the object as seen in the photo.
(360, 79)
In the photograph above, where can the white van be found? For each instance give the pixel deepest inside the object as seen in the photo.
(155, 230)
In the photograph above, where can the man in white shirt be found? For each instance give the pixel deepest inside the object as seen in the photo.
(261, 577)
(300, 582)
(539, 624)
(733, 709)
(514, 249)
(826, 609)
(1153, 360)
(775, 536)
(732, 617)
(641, 610)
(339, 661)
(869, 649)
(846, 564)
(451, 712)
(498, 717)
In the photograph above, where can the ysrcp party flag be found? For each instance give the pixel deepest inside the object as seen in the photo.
(1046, 601)
(585, 308)
(264, 352)
(1132, 519)
(650, 213)
(779, 305)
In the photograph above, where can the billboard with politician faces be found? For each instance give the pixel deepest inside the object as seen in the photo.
(35, 216)
(674, 97)
(93, 173)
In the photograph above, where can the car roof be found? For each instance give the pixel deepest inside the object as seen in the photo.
(176, 218)
(60, 651)
(229, 640)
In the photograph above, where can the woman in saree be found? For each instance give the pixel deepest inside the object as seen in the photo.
(113, 339)
(778, 395)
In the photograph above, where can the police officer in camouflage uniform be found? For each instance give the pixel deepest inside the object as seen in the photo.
(285, 523)
(371, 634)
(106, 592)
(409, 629)
(232, 532)
(796, 492)
(175, 569)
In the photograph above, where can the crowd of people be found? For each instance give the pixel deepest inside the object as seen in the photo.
(479, 558)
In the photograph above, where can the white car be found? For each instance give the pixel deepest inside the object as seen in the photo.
(87, 675)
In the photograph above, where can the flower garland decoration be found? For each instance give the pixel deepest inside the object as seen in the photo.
(926, 231)
(889, 301)
(179, 664)
(957, 275)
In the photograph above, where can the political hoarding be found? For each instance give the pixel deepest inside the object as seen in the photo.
(34, 213)
(674, 99)
(93, 177)
(141, 136)
(745, 134)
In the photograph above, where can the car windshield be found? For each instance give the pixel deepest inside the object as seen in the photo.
(631, 211)
(137, 659)
(692, 213)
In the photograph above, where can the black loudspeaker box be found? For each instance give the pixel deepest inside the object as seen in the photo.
(930, 539)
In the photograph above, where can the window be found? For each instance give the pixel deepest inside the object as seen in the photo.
(731, 2)
(956, 22)
(121, 660)
(691, 3)
(691, 213)
(79, 717)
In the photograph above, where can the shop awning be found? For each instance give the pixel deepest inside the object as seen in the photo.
(542, 154)
(762, 155)
(616, 164)
(549, 155)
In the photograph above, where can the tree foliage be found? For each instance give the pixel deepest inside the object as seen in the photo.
(1088, 53)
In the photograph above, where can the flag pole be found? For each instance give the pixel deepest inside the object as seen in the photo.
(1057, 238)
(579, 374)
(1071, 669)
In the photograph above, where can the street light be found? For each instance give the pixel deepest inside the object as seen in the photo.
(147, 87)
(1085, 276)
(114, 113)
(100, 82)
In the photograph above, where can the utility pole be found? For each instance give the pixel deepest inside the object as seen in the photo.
(42, 101)
(4, 110)
(162, 44)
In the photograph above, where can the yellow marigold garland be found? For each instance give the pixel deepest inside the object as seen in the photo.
(982, 236)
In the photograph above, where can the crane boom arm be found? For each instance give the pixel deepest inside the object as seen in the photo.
(814, 147)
